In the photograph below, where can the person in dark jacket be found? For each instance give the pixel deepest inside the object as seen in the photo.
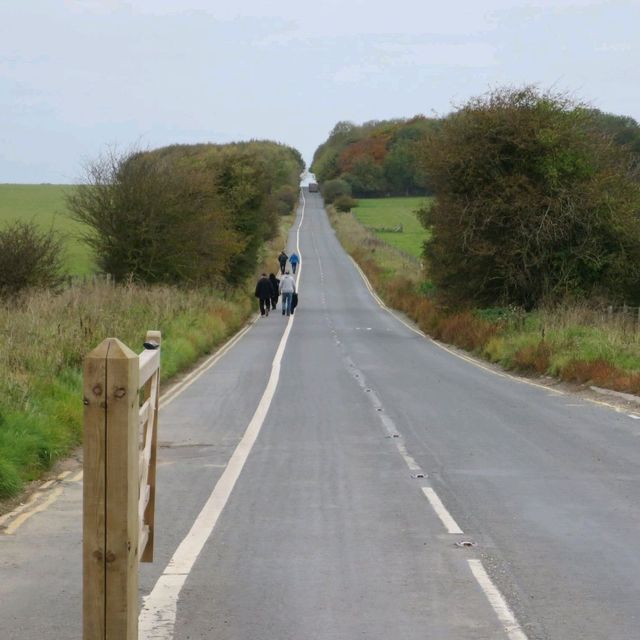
(264, 291)
(275, 286)
(282, 259)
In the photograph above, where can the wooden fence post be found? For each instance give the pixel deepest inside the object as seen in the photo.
(111, 487)
(94, 516)
(151, 393)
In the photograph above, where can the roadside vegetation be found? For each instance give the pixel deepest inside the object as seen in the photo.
(573, 342)
(533, 253)
(45, 206)
(220, 213)
(534, 204)
(45, 337)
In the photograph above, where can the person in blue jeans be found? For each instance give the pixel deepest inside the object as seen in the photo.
(294, 259)
(287, 289)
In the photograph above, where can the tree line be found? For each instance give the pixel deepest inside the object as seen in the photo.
(537, 198)
(376, 158)
(184, 214)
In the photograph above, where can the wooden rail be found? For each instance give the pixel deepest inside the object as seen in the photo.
(121, 391)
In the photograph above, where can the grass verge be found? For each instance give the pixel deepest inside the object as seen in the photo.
(383, 214)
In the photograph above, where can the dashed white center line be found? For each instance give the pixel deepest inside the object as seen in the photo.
(411, 463)
(441, 511)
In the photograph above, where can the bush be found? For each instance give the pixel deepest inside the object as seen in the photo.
(286, 198)
(533, 203)
(153, 221)
(186, 214)
(29, 258)
(332, 189)
(345, 203)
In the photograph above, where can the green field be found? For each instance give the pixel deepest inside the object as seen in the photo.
(45, 204)
(377, 213)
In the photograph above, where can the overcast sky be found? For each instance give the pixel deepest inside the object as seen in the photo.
(79, 76)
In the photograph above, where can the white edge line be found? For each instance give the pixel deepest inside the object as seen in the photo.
(447, 519)
(469, 359)
(497, 601)
(460, 356)
(158, 615)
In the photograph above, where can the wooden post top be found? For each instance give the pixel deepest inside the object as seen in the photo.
(112, 349)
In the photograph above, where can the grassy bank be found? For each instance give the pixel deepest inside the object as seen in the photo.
(573, 343)
(45, 205)
(44, 339)
(382, 214)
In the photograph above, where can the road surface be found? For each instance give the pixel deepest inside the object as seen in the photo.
(336, 476)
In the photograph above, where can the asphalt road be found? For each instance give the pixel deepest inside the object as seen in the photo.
(342, 477)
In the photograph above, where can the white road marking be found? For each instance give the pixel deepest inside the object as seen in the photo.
(460, 356)
(158, 616)
(411, 463)
(633, 416)
(505, 615)
(472, 361)
(441, 511)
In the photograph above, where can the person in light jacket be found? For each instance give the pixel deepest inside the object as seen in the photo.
(287, 289)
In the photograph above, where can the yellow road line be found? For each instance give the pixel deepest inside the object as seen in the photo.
(21, 519)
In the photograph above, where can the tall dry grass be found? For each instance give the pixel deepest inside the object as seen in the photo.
(44, 338)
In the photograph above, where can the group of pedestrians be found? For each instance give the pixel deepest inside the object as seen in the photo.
(294, 259)
(269, 289)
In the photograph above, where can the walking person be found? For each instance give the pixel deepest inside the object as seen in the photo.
(264, 291)
(294, 259)
(287, 289)
(275, 290)
(282, 259)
